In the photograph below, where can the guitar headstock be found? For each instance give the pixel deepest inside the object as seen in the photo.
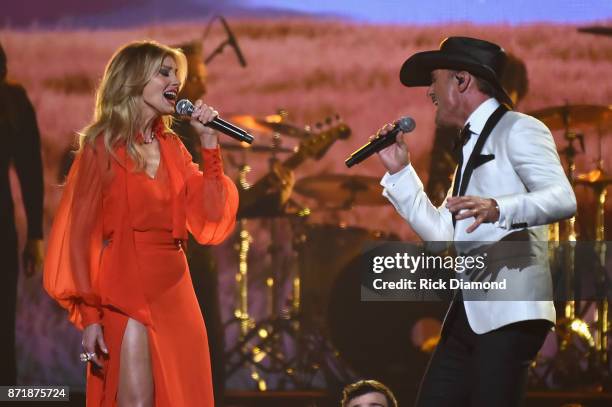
(322, 137)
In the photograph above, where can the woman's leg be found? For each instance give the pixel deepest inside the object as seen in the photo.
(135, 373)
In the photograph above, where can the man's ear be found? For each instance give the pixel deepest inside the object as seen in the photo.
(463, 80)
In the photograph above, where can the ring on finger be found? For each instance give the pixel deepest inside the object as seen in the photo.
(87, 356)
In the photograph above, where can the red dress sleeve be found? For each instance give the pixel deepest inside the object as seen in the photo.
(212, 198)
(75, 242)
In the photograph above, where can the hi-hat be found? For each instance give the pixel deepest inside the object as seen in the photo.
(570, 116)
(342, 191)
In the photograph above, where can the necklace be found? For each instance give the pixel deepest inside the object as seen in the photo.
(148, 140)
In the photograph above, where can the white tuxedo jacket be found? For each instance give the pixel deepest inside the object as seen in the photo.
(519, 167)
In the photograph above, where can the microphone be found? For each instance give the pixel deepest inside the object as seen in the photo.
(185, 108)
(405, 125)
(232, 41)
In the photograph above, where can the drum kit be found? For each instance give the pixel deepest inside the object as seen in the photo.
(582, 355)
(324, 319)
(317, 318)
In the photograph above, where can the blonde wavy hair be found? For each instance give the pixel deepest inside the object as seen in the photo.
(118, 98)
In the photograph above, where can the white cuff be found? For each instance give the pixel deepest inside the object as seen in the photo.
(390, 180)
(507, 208)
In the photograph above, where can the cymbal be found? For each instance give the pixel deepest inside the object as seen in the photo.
(599, 30)
(342, 191)
(566, 116)
(286, 129)
(268, 125)
(594, 178)
(254, 148)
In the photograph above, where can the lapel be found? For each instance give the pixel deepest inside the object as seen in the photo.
(486, 131)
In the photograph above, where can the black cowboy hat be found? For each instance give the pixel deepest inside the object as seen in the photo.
(478, 57)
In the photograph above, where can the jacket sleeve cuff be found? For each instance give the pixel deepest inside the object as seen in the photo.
(213, 165)
(89, 314)
(401, 188)
(507, 213)
(389, 181)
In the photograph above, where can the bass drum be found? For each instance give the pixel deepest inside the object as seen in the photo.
(390, 341)
(323, 251)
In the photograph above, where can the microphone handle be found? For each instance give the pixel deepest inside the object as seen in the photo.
(230, 130)
(230, 125)
(372, 147)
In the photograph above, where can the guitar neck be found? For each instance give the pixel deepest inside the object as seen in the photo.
(315, 146)
(295, 159)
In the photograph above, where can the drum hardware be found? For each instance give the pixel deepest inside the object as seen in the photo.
(262, 346)
(241, 313)
(271, 124)
(599, 181)
(244, 147)
(315, 146)
(582, 357)
(342, 191)
(564, 118)
(567, 117)
(570, 154)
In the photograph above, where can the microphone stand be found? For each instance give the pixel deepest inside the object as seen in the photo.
(217, 51)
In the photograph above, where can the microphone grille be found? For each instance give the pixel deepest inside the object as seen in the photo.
(184, 107)
(406, 124)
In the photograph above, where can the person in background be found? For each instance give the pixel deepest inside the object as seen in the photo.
(21, 148)
(367, 393)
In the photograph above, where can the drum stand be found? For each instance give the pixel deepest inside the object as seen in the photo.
(287, 347)
(601, 318)
(570, 253)
(573, 337)
(282, 348)
(598, 181)
(576, 343)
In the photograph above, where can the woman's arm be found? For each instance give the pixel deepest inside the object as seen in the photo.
(75, 242)
(212, 197)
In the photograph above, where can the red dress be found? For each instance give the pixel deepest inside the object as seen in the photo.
(113, 253)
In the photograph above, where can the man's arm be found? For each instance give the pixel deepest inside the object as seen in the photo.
(405, 191)
(533, 154)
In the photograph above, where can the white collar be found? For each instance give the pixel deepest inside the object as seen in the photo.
(479, 117)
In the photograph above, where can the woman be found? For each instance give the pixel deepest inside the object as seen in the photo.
(115, 254)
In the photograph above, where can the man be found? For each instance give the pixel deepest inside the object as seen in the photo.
(444, 157)
(508, 184)
(21, 146)
(367, 393)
